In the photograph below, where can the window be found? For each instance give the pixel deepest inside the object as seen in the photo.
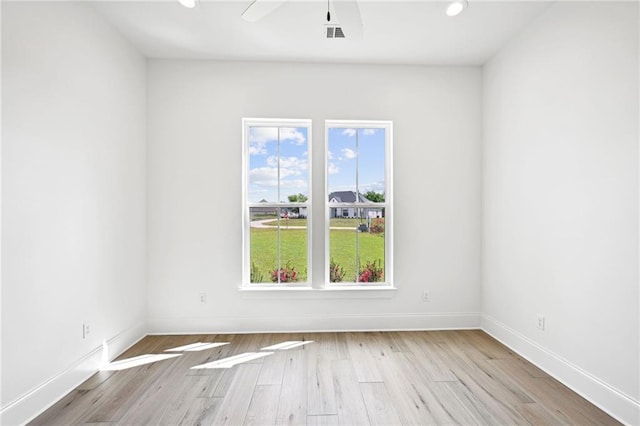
(359, 203)
(277, 197)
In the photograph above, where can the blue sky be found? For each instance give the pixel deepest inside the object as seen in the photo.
(369, 155)
(263, 163)
(343, 156)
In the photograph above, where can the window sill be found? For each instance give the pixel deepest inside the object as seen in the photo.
(334, 292)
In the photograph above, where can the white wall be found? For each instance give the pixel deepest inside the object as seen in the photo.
(194, 191)
(73, 197)
(560, 203)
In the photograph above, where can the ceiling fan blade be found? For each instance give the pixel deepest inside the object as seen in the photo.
(349, 17)
(260, 8)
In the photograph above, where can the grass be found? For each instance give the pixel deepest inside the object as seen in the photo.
(342, 249)
(334, 222)
(293, 249)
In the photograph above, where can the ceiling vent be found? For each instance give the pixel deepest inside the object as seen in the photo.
(334, 32)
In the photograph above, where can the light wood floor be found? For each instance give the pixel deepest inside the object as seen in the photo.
(378, 378)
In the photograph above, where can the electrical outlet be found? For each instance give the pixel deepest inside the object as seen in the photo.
(86, 330)
(541, 322)
(203, 297)
(426, 296)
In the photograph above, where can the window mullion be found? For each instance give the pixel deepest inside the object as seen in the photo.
(279, 262)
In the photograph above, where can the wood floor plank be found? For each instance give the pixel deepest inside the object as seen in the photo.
(349, 402)
(292, 406)
(342, 347)
(118, 399)
(263, 409)
(202, 411)
(430, 357)
(180, 401)
(497, 400)
(363, 359)
(409, 405)
(234, 406)
(537, 414)
(323, 420)
(479, 412)
(96, 380)
(321, 397)
(438, 401)
(378, 404)
(273, 369)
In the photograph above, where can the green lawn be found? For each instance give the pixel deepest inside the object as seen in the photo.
(293, 246)
(334, 222)
(342, 248)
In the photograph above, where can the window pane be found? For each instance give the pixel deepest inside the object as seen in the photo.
(278, 163)
(263, 170)
(371, 163)
(371, 246)
(264, 244)
(278, 246)
(341, 160)
(293, 250)
(357, 246)
(342, 250)
(294, 174)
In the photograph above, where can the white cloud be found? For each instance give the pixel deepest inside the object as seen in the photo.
(263, 174)
(294, 163)
(329, 155)
(369, 132)
(349, 153)
(333, 169)
(294, 183)
(377, 186)
(257, 148)
(293, 135)
(261, 135)
(349, 132)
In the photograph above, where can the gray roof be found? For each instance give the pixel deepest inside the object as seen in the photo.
(347, 197)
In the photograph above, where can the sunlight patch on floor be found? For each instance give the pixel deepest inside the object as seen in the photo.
(194, 347)
(231, 361)
(136, 361)
(286, 345)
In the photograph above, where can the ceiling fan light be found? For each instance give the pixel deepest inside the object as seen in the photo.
(189, 3)
(455, 7)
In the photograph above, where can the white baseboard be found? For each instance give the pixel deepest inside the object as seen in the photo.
(33, 403)
(315, 323)
(616, 403)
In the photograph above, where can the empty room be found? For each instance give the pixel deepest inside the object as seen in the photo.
(342, 212)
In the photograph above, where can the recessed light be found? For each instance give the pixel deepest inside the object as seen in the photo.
(189, 3)
(455, 7)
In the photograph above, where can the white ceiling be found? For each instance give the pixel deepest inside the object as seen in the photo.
(395, 32)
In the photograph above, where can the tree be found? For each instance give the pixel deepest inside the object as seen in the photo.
(376, 197)
(297, 198)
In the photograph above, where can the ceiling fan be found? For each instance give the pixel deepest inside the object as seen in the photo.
(347, 11)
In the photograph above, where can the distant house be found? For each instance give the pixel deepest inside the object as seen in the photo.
(350, 212)
(273, 211)
(264, 211)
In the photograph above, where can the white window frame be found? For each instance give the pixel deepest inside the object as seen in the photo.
(387, 126)
(248, 123)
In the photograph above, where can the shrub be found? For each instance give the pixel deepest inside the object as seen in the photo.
(256, 276)
(371, 272)
(377, 226)
(286, 274)
(336, 272)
